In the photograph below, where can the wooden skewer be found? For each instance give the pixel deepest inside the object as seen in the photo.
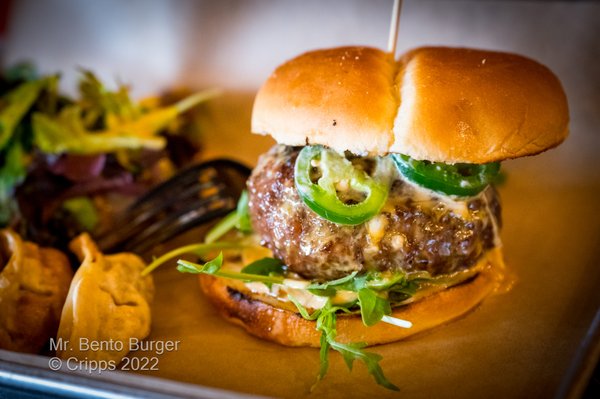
(394, 23)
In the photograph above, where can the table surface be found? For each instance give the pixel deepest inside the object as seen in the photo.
(523, 343)
(526, 343)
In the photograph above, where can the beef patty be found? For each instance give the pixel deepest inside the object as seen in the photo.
(416, 229)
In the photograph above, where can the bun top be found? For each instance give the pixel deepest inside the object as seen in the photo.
(435, 103)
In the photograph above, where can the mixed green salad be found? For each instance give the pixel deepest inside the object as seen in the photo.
(60, 156)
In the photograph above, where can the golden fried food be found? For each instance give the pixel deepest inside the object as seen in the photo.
(34, 282)
(108, 302)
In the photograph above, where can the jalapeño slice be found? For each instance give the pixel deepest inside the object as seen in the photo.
(326, 180)
(460, 179)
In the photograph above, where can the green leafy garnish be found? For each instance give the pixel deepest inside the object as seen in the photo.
(16, 104)
(196, 249)
(265, 267)
(372, 306)
(12, 172)
(268, 271)
(376, 292)
(68, 132)
(326, 318)
(239, 219)
(340, 282)
(213, 267)
(102, 106)
(83, 210)
(34, 119)
(222, 227)
(210, 267)
(13, 158)
(243, 223)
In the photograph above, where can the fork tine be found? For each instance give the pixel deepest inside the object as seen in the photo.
(193, 196)
(174, 226)
(138, 215)
(153, 219)
(192, 206)
(205, 171)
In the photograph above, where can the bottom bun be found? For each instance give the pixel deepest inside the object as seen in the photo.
(288, 328)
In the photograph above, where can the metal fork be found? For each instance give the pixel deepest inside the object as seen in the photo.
(192, 197)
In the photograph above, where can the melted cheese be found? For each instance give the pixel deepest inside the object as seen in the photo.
(430, 199)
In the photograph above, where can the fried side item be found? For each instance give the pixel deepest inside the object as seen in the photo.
(108, 302)
(34, 282)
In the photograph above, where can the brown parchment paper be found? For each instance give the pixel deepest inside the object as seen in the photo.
(517, 344)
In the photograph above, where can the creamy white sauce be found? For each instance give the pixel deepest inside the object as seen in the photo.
(429, 199)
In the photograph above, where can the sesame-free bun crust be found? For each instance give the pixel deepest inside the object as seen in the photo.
(440, 104)
(289, 328)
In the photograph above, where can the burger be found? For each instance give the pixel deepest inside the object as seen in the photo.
(374, 217)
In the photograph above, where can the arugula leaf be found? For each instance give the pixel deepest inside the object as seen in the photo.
(372, 306)
(352, 352)
(18, 101)
(409, 288)
(196, 249)
(326, 291)
(213, 267)
(324, 357)
(380, 282)
(243, 222)
(326, 324)
(222, 227)
(303, 312)
(333, 283)
(265, 267)
(240, 219)
(330, 288)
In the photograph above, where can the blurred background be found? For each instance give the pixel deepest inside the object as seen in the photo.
(154, 44)
(157, 45)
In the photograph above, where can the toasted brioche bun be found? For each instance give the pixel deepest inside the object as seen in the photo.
(289, 328)
(440, 104)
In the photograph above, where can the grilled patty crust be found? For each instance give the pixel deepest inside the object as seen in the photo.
(416, 230)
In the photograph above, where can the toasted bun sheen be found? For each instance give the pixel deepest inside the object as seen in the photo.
(289, 328)
(435, 103)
